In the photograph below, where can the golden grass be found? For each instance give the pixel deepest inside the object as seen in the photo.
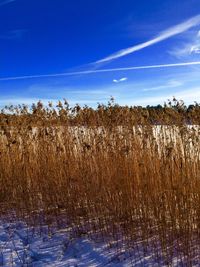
(109, 173)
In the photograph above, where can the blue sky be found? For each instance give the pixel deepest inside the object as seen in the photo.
(54, 49)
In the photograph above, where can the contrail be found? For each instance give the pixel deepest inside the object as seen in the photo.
(170, 32)
(3, 3)
(101, 71)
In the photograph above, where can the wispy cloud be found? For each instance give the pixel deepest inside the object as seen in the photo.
(5, 2)
(161, 66)
(180, 52)
(186, 95)
(189, 47)
(15, 34)
(120, 80)
(170, 32)
(170, 84)
(195, 49)
(45, 101)
(132, 93)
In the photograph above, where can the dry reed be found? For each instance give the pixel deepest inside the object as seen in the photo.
(125, 175)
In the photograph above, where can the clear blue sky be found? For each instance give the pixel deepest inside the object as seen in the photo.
(48, 37)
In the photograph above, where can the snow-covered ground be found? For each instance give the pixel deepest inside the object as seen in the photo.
(24, 246)
(21, 246)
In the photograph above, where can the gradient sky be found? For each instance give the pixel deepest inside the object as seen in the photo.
(50, 37)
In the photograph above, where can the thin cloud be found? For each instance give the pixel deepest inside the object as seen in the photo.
(186, 95)
(190, 47)
(173, 65)
(170, 84)
(195, 49)
(45, 101)
(12, 35)
(170, 32)
(3, 3)
(120, 80)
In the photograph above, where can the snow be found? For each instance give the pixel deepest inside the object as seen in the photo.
(38, 247)
(25, 246)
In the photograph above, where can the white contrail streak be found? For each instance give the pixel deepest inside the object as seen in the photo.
(170, 32)
(3, 3)
(101, 71)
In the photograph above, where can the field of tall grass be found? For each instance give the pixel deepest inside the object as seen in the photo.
(122, 175)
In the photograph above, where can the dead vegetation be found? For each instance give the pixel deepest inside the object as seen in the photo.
(129, 175)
